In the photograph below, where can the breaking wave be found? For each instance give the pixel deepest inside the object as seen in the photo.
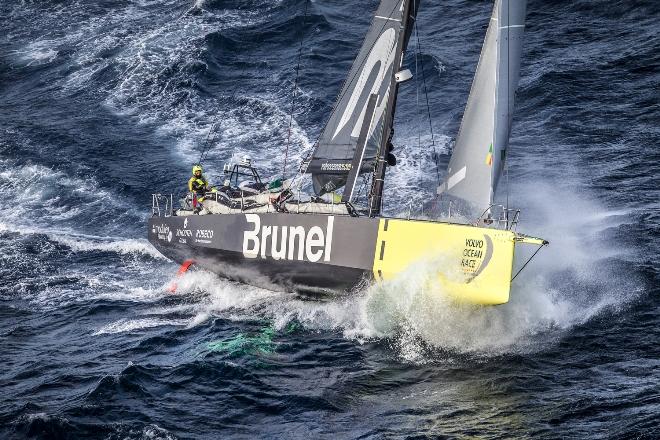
(50, 213)
(89, 243)
(127, 325)
(36, 194)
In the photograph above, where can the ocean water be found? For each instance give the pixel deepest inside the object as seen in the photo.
(103, 103)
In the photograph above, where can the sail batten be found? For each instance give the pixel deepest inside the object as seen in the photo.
(479, 153)
(372, 73)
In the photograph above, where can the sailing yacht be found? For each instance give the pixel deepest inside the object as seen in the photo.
(270, 236)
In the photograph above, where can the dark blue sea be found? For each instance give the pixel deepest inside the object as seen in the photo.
(103, 103)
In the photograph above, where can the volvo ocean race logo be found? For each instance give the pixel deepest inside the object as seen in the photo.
(477, 254)
(288, 242)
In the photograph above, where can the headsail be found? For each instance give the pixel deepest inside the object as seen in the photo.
(372, 73)
(477, 161)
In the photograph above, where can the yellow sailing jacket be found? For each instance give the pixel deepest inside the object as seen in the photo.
(198, 184)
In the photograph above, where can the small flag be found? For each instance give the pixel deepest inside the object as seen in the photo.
(489, 157)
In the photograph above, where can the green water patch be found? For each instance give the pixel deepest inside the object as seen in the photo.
(246, 344)
(251, 344)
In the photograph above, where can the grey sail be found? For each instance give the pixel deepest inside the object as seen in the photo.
(510, 43)
(372, 73)
(478, 157)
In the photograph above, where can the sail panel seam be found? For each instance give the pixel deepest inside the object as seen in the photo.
(388, 18)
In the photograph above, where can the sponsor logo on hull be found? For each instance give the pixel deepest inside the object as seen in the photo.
(185, 233)
(288, 242)
(203, 236)
(163, 232)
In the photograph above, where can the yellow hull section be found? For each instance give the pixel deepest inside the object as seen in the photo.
(474, 264)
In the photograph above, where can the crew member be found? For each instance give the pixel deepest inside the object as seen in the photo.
(198, 185)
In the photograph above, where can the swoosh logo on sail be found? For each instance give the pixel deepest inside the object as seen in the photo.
(381, 51)
(486, 260)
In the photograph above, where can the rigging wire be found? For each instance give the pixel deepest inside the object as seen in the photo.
(508, 101)
(419, 128)
(528, 261)
(428, 109)
(363, 189)
(295, 89)
(204, 153)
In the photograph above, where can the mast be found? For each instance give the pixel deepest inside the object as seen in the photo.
(478, 158)
(378, 182)
(511, 33)
(373, 73)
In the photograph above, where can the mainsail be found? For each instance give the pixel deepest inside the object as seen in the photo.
(478, 158)
(372, 73)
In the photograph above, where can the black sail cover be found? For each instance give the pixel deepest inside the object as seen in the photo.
(372, 73)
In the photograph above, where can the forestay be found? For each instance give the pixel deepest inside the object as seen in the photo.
(372, 73)
(478, 158)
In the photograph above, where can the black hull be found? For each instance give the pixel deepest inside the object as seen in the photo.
(335, 254)
(347, 268)
(299, 276)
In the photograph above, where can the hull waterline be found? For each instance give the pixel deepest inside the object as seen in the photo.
(326, 254)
